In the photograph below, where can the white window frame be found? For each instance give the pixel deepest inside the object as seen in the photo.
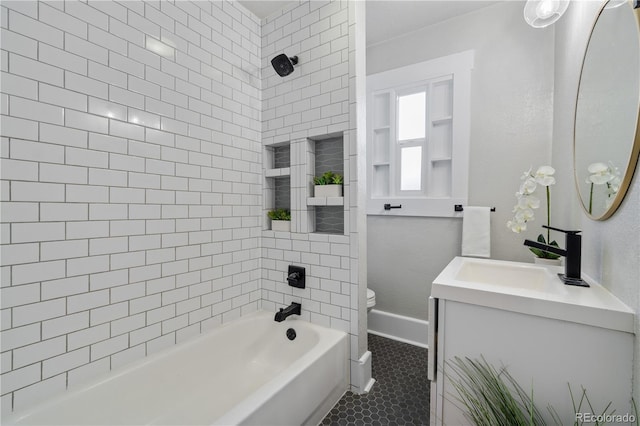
(406, 80)
(407, 143)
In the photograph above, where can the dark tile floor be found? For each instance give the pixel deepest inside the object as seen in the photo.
(400, 395)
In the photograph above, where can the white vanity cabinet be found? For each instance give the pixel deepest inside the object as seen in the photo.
(547, 340)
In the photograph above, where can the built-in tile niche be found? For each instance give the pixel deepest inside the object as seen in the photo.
(277, 188)
(327, 215)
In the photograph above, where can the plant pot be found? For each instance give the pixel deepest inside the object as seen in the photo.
(327, 190)
(281, 225)
(547, 262)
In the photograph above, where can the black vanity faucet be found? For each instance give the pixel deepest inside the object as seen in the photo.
(294, 308)
(572, 255)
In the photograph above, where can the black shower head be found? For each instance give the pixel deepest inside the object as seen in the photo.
(283, 64)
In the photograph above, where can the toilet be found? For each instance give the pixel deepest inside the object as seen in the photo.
(371, 299)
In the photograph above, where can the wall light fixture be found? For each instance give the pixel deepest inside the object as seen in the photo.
(542, 13)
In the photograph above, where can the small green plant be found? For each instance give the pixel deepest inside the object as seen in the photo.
(586, 414)
(544, 254)
(279, 214)
(329, 178)
(490, 396)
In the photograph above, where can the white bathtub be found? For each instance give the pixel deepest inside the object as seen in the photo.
(244, 372)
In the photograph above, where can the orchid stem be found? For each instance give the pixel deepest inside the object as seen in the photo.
(548, 215)
(591, 198)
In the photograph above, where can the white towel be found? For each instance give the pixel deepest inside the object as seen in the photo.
(476, 232)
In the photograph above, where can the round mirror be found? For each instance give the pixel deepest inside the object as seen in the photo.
(607, 134)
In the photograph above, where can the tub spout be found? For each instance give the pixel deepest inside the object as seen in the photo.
(294, 308)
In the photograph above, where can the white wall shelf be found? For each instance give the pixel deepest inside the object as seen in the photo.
(277, 183)
(441, 120)
(273, 173)
(325, 201)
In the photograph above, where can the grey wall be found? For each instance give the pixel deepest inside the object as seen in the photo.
(511, 129)
(611, 249)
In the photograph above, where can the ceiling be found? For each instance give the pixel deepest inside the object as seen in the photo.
(264, 8)
(387, 19)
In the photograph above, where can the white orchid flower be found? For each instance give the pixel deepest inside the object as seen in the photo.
(529, 202)
(516, 226)
(597, 168)
(524, 215)
(523, 210)
(544, 175)
(528, 186)
(600, 174)
(614, 185)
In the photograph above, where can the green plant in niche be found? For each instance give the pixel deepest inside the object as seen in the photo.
(279, 214)
(329, 178)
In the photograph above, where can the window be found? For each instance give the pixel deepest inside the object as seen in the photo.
(418, 137)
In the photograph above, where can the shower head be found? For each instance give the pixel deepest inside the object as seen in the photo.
(284, 64)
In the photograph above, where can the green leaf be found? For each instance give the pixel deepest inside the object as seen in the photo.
(544, 254)
(279, 214)
(491, 396)
(329, 178)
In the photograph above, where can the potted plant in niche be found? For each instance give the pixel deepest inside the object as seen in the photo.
(280, 220)
(527, 202)
(329, 184)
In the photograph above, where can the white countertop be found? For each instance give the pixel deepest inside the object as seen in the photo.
(549, 297)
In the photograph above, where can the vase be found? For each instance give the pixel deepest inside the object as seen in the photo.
(327, 190)
(547, 262)
(281, 225)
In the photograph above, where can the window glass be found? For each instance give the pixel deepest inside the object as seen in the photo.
(411, 116)
(411, 168)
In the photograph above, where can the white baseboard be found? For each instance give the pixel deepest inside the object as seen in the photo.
(398, 327)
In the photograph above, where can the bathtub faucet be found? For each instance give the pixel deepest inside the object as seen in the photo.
(294, 308)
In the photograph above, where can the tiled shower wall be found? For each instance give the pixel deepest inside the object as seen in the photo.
(131, 182)
(316, 100)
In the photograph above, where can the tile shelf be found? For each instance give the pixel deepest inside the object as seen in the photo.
(271, 173)
(325, 201)
(288, 172)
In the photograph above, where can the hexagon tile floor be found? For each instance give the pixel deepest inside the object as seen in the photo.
(400, 395)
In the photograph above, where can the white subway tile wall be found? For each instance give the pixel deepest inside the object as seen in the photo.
(131, 183)
(132, 213)
(316, 100)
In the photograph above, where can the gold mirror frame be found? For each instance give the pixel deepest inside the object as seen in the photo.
(635, 150)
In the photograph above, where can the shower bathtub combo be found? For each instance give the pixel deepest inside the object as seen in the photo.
(253, 370)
